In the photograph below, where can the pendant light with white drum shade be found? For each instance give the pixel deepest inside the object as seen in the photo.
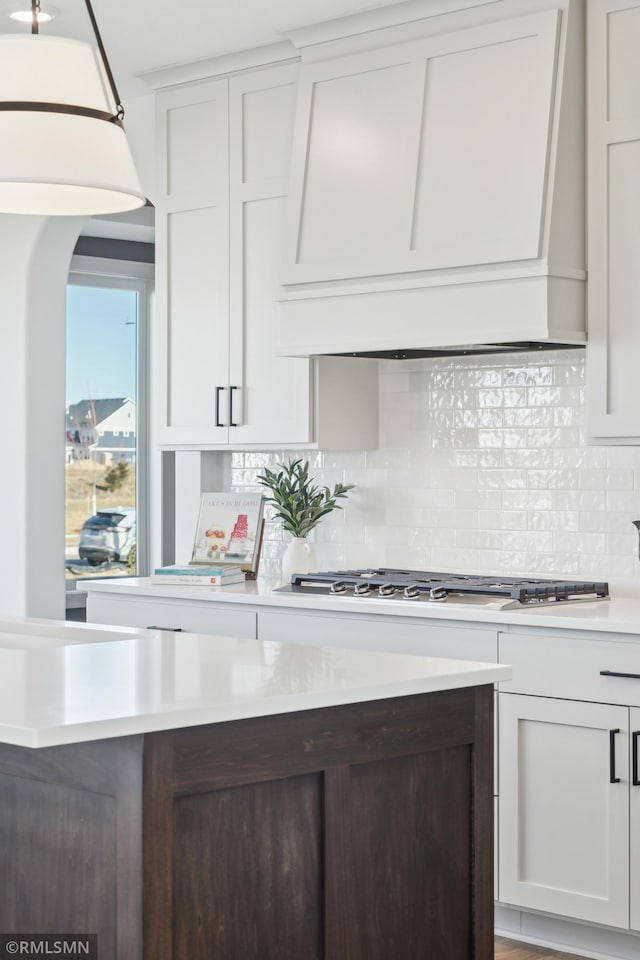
(63, 149)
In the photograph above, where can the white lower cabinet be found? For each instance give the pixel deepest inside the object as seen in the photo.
(634, 821)
(564, 825)
(569, 784)
(167, 613)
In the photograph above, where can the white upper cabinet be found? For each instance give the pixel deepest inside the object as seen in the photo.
(421, 156)
(268, 399)
(436, 191)
(613, 358)
(192, 251)
(224, 149)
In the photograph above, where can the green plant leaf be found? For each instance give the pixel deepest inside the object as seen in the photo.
(298, 501)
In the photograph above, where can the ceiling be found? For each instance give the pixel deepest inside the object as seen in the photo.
(141, 35)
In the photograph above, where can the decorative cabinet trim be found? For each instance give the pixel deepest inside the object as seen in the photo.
(613, 356)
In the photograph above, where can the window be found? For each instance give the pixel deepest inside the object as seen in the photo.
(106, 455)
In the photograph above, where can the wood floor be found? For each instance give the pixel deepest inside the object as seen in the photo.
(510, 950)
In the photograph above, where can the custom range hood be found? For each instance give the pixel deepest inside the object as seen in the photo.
(436, 199)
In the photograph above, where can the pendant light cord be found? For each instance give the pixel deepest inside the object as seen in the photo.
(35, 10)
(114, 90)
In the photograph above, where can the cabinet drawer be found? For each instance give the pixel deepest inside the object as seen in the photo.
(571, 668)
(388, 634)
(193, 617)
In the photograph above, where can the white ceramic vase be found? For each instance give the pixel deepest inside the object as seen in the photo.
(299, 557)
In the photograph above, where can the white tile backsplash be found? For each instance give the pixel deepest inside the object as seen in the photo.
(482, 467)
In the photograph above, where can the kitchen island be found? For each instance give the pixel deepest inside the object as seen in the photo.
(182, 798)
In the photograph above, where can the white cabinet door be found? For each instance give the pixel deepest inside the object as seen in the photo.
(269, 398)
(192, 249)
(224, 149)
(420, 156)
(634, 809)
(613, 296)
(564, 827)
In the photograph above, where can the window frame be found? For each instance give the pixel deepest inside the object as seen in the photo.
(139, 277)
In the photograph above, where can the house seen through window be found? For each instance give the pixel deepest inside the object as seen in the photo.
(101, 434)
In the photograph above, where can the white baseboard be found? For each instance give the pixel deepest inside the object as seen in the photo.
(566, 936)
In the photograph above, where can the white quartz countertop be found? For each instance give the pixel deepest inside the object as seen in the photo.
(620, 614)
(68, 683)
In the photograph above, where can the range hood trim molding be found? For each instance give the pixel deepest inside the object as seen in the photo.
(430, 318)
(469, 274)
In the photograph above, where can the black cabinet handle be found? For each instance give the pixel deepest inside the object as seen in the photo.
(634, 758)
(231, 421)
(614, 673)
(612, 756)
(218, 391)
(170, 629)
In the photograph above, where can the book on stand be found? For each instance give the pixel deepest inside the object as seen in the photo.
(199, 574)
(229, 531)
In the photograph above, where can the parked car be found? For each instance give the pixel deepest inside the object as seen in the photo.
(109, 535)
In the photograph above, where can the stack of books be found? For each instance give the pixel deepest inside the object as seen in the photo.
(199, 574)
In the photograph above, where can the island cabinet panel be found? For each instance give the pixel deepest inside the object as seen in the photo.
(248, 859)
(360, 831)
(386, 823)
(71, 843)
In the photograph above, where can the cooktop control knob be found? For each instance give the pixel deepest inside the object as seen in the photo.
(386, 590)
(338, 586)
(412, 592)
(437, 593)
(361, 589)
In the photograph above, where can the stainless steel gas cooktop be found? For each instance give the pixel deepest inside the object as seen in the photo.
(387, 583)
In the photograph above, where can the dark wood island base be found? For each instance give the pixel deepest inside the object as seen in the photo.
(355, 832)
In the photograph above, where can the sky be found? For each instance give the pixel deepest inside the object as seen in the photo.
(101, 343)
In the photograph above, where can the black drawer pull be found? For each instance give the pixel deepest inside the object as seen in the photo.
(218, 391)
(171, 629)
(231, 420)
(612, 756)
(634, 758)
(614, 673)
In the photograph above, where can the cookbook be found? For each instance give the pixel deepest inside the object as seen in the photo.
(229, 530)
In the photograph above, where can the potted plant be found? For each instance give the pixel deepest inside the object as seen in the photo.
(300, 504)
